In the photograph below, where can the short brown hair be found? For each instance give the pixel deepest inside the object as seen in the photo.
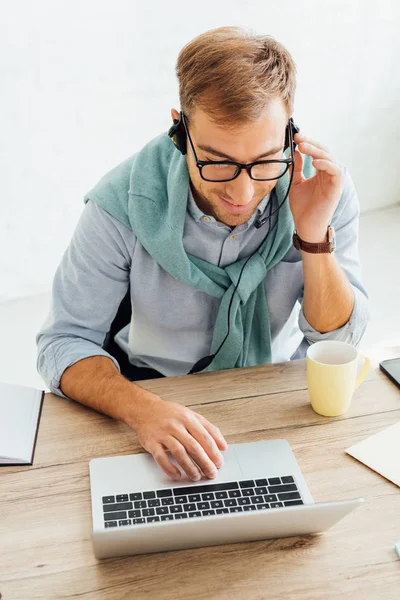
(232, 74)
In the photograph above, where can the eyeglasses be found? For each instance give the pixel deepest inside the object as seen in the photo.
(226, 170)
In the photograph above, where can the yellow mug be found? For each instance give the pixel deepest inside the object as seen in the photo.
(332, 376)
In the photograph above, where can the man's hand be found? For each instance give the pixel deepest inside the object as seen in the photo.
(313, 201)
(193, 441)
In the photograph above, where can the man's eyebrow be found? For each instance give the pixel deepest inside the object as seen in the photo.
(222, 155)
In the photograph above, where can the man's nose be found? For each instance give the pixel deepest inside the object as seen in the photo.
(241, 189)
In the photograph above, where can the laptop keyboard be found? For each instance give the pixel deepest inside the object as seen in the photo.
(199, 501)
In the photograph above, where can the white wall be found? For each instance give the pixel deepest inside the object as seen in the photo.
(86, 83)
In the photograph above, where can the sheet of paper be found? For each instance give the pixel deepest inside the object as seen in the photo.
(381, 452)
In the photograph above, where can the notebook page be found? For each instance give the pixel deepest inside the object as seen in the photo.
(19, 412)
(381, 452)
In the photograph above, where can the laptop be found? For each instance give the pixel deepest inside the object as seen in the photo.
(259, 493)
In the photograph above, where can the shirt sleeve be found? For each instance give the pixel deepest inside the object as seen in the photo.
(346, 224)
(88, 287)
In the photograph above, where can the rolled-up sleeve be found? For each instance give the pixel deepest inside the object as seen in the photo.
(346, 224)
(88, 287)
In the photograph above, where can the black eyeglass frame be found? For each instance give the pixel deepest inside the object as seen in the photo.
(239, 166)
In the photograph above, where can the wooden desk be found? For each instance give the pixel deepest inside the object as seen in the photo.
(45, 523)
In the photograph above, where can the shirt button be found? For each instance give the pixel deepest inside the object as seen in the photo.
(232, 237)
(206, 219)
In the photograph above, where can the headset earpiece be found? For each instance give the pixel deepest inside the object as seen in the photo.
(294, 129)
(178, 134)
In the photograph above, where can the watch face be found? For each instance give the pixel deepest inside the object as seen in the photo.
(332, 238)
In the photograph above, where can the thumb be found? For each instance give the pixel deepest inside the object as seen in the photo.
(298, 167)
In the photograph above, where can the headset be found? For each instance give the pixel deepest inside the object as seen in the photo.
(177, 133)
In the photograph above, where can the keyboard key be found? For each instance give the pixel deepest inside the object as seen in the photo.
(149, 495)
(248, 492)
(180, 516)
(138, 521)
(262, 506)
(276, 504)
(251, 507)
(194, 498)
(125, 522)
(167, 518)
(289, 496)
(148, 512)
(270, 498)
(140, 504)
(115, 516)
(163, 510)
(152, 503)
(288, 479)
(274, 481)
(207, 513)
(221, 511)
(292, 502)
(110, 524)
(261, 482)
(235, 494)
(136, 496)
(242, 501)
(122, 498)
(181, 500)
(276, 489)
(257, 500)
(230, 502)
(108, 499)
(118, 506)
(261, 490)
(236, 509)
(221, 495)
(208, 496)
(152, 519)
(167, 501)
(134, 514)
(164, 493)
(203, 489)
(203, 505)
(217, 504)
(195, 514)
(189, 507)
(175, 509)
(246, 484)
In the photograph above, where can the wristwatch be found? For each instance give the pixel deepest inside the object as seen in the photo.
(320, 248)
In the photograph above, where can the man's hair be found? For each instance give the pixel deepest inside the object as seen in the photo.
(231, 74)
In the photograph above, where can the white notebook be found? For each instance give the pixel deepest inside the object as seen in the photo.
(20, 409)
(381, 452)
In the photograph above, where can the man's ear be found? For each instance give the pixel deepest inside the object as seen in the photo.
(174, 114)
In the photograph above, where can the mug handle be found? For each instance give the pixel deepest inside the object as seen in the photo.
(364, 372)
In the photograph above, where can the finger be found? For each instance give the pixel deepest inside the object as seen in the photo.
(160, 456)
(327, 166)
(198, 454)
(298, 167)
(214, 432)
(181, 456)
(314, 151)
(300, 137)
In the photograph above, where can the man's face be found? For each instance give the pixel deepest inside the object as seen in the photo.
(233, 202)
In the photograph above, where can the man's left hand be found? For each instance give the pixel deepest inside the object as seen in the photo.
(313, 201)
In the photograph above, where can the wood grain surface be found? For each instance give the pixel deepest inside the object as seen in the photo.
(45, 514)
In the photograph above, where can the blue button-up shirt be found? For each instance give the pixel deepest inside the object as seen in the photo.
(172, 323)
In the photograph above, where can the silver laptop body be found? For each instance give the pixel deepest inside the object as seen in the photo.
(259, 493)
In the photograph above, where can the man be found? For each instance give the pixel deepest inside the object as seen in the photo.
(201, 234)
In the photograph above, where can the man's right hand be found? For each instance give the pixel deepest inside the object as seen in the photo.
(164, 426)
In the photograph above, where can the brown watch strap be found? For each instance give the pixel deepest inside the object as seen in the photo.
(315, 248)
